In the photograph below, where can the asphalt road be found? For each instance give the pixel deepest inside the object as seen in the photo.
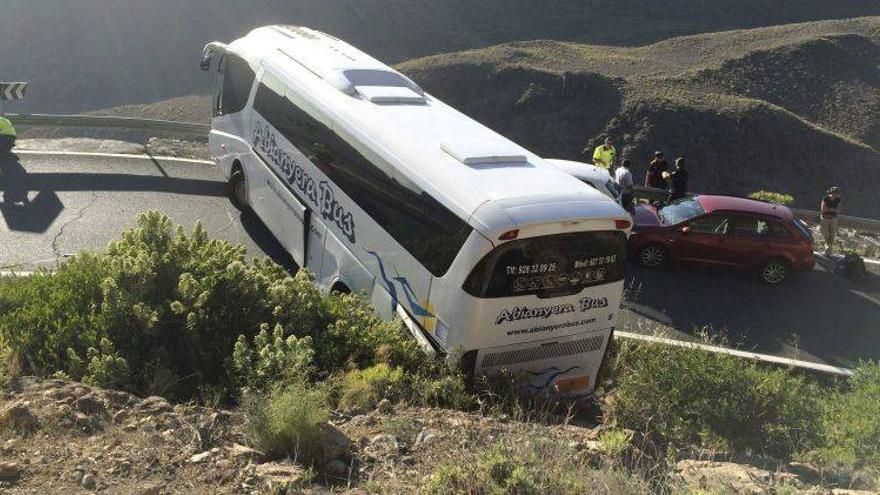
(83, 202)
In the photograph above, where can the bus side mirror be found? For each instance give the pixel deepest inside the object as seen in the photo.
(208, 54)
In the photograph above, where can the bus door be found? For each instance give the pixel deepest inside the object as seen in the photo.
(282, 212)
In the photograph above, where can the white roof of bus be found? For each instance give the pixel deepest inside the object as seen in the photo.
(460, 162)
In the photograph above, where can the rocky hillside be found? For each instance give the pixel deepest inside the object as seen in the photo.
(86, 54)
(788, 108)
(58, 436)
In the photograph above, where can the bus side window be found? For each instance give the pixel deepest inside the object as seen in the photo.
(428, 230)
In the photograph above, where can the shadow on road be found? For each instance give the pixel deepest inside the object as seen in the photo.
(36, 215)
(124, 182)
(824, 315)
(19, 212)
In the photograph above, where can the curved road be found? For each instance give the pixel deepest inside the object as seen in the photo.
(80, 202)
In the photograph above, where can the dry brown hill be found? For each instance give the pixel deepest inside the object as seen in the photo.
(790, 108)
(86, 54)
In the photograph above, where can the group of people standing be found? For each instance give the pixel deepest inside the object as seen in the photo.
(659, 175)
(675, 181)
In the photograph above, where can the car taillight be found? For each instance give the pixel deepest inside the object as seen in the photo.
(622, 224)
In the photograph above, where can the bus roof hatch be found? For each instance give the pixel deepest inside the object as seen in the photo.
(475, 153)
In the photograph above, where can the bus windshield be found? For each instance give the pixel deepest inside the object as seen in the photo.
(550, 266)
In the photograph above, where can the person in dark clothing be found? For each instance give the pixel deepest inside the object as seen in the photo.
(679, 181)
(830, 209)
(654, 177)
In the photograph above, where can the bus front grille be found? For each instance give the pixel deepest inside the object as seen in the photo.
(540, 353)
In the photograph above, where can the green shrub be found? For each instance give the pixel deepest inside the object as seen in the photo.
(773, 197)
(361, 390)
(445, 388)
(493, 472)
(176, 302)
(539, 466)
(288, 422)
(850, 422)
(163, 312)
(357, 337)
(46, 314)
(685, 397)
(272, 359)
(106, 368)
(615, 442)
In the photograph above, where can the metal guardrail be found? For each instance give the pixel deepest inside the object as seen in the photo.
(650, 193)
(44, 120)
(859, 223)
(752, 356)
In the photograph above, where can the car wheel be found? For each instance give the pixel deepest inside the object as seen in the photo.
(236, 189)
(774, 271)
(652, 255)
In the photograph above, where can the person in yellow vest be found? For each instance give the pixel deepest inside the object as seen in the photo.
(7, 134)
(604, 155)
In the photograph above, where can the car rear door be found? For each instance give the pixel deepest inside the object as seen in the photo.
(705, 239)
(756, 238)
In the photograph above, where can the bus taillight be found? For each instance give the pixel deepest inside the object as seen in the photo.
(509, 235)
(622, 224)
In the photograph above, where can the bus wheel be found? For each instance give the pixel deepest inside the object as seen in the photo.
(236, 190)
(652, 255)
(340, 288)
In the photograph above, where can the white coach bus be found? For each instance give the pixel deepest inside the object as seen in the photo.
(484, 250)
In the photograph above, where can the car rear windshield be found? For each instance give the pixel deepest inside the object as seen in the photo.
(550, 266)
(680, 211)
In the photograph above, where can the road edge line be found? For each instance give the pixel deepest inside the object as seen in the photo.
(113, 155)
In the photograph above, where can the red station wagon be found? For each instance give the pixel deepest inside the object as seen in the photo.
(724, 231)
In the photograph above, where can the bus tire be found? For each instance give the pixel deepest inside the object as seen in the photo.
(237, 189)
(340, 288)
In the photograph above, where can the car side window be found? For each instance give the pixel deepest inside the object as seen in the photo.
(758, 227)
(750, 227)
(711, 224)
(777, 230)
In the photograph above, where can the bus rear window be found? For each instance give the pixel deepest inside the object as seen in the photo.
(550, 266)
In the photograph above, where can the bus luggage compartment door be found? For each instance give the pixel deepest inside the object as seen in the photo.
(315, 235)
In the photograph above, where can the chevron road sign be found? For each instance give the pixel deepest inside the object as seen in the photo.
(12, 90)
